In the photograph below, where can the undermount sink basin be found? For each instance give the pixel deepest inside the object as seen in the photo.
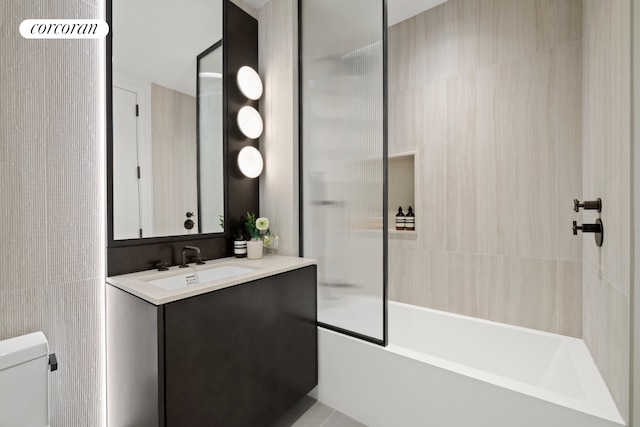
(197, 277)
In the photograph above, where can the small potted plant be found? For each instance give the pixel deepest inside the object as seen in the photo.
(256, 227)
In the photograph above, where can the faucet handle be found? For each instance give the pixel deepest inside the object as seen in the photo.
(162, 266)
(576, 227)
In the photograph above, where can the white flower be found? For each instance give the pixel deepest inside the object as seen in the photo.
(262, 223)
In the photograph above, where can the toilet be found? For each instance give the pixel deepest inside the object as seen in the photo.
(24, 376)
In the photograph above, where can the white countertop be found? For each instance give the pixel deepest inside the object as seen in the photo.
(269, 265)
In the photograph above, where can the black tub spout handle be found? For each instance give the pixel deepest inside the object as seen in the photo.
(595, 205)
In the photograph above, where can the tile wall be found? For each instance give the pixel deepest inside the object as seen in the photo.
(52, 233)
(607, 174)
(489, 94)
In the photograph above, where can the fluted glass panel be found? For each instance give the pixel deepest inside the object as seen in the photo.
(342, 151)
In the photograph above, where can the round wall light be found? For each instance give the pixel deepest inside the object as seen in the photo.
(250, 162)
(250, 122)
(249, 82)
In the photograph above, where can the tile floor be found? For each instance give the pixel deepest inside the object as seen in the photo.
(310, 413)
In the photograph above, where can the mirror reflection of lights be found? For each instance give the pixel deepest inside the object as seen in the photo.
(250, 162)
(249, 82)
(250, 122)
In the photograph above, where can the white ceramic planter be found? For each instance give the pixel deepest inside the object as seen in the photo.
(254, 249)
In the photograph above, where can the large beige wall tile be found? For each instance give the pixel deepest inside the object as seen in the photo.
(432, 167)
(462, 163)
(430, 45)
(536, 109)
(496, 26)
(518, 291)
(496, 281)
(402, 62)
(536, 26)
(597, 94)
(435, 281)
(570, 298)
(403, 124)
(569, 147)
(569, 15)
(535, 296)
(461, 36)
(415, 279)
(462, 275)
(496, 160)
(418, 277)
(616, 214)
(536, 199)
(399, 289)
(606, 323)
(536, 158)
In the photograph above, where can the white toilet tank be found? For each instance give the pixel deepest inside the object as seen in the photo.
(24, 376)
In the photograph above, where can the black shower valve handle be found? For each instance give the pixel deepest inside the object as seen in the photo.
(588, 205)
(576, 227)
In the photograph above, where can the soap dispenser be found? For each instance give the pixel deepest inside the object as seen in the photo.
(410, 220)
(240, 246)
(400, 219)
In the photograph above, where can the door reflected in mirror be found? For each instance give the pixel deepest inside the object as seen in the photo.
(168, 170)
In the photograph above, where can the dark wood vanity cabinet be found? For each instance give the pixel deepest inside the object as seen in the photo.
(239, 356)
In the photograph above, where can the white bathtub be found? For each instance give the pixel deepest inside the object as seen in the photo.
(442, 370)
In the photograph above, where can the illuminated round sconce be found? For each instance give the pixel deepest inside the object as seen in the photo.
(250, 122)
(249, 82)
(250, 162)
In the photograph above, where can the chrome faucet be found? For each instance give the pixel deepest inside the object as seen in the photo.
(198, 258)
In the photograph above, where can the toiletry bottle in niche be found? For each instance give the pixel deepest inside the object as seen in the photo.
(400, 218)
(410, 220)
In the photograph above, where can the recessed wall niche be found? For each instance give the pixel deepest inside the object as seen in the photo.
(402, 189)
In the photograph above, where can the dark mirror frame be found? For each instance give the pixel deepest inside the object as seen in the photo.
(241, 194)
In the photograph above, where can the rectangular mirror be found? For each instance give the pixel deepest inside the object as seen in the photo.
(168, 176)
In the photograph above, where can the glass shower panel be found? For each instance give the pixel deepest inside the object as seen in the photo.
(343, 152)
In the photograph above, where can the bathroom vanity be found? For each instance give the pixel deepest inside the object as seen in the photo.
(229, 343)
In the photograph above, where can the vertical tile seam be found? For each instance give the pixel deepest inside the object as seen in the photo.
(556, 149)
(477, 180)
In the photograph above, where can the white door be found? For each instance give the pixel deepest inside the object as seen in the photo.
(126, 204)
